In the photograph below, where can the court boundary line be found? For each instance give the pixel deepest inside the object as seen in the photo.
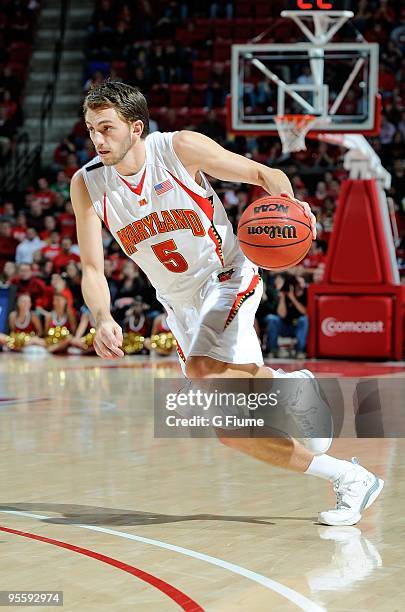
(181, 599)
(287, 592)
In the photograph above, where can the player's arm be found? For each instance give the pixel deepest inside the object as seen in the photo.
(198, 152)
(95, 290)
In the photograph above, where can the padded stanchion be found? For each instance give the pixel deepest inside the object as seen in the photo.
(358, 310)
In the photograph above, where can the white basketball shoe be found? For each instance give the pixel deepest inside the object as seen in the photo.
(356, 489)
(304, 403)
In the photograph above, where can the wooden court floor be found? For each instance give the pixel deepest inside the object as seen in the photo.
(93, 504)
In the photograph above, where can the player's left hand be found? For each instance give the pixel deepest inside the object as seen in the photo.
(307, 210)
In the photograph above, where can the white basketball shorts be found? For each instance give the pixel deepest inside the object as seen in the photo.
(218, 321)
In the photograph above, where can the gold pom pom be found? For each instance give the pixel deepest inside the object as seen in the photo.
(57, 334)
(18, 340)
(89, 339)
(132, 343)
(163, 343)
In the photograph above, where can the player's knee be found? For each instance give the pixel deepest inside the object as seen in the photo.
(204, 367)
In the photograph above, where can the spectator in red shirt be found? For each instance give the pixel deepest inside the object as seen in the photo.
(65, 256)
(386, 79)
(7, 210)
(45, 194)
(315, 257)
(71, 165)
(27, 283)
(35, 217)
(53, 248)
(50, 227)
(8, 104)
(87, 153)
(80, 131)
(59, 286)
(19, 230)
(333, 189)
(320, 193)
(67, 222)
(9, 272)
(8, 244)
(63, 150)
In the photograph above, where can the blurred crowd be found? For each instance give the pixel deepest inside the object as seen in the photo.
(177, 52)
(40, 266)
(17, 26)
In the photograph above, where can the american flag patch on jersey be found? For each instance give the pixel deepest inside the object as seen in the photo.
(162, 188)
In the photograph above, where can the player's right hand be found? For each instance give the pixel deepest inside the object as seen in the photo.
(108, 340)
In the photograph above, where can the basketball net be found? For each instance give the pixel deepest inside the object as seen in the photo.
(292, 130)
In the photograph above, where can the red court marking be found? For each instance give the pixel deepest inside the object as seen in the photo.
(184, 601)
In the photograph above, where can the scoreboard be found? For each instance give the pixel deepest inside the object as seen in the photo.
(319, 5)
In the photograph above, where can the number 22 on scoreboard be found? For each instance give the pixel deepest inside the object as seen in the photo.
(319, 4)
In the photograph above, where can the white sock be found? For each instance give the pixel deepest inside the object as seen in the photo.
(325, 466)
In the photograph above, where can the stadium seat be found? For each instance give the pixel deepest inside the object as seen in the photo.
(120, 67)
(179, 95)
(222, 50)
(159, 95)
(221, 115)
(197, 115)
(201, 71)
(183, 118)
(263, 9)
(18, 70)
(261, 25)
(198, 95)
(223, 28)
(243, 28)
(243, 8)
(19, 52)
(203, 28)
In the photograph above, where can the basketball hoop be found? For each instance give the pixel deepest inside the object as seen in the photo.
(292, 130)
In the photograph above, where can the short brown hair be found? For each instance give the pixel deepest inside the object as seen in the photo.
(128, 101)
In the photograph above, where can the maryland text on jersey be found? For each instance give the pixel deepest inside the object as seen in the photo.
(159, 223)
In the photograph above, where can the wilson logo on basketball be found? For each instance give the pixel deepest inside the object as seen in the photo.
(270, 208)
(274, 231)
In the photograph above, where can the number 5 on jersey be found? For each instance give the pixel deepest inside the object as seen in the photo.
(167, 254)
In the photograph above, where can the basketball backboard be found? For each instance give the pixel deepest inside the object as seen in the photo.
(336, 82)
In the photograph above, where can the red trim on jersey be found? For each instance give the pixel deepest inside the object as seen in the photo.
(213, 234)
(208, 209)
(242, 297)
(105, 219)
(202, 202)
(180, 352)
(138, 189)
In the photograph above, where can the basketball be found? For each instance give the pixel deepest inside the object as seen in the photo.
(274, 233)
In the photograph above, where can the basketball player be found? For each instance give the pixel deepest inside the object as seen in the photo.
(152, 194)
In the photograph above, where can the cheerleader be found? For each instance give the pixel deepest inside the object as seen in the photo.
(85, 332)
(25, 326)
(60, 325)
(162, 340)
(136, 328)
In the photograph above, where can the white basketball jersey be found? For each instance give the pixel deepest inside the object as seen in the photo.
(175, 230)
